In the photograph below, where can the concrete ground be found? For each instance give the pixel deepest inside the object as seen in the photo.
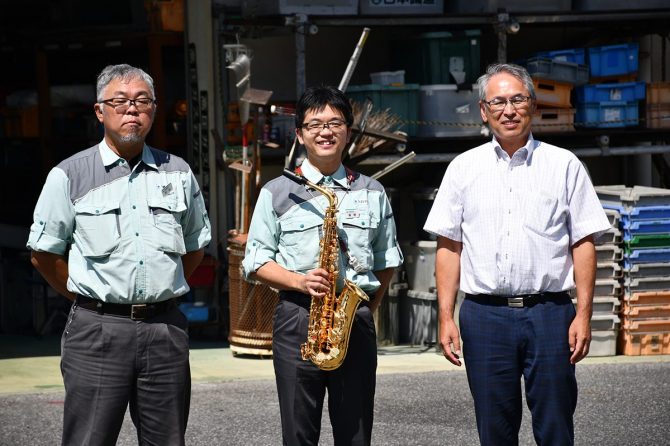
(421, 399)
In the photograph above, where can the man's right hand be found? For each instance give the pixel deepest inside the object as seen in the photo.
(450, 341)
(315, 283)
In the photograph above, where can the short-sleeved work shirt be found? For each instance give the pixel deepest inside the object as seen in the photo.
(516, 217)
(126, 228)
(287, 224)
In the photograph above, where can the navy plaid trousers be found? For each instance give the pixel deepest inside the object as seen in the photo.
(500, 345)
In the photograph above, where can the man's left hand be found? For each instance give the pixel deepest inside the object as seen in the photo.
(579, 338)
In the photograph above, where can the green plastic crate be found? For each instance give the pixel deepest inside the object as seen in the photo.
(429, 58)
(647, 241)
(402, 101)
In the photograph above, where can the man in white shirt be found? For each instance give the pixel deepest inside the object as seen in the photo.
(516, 219)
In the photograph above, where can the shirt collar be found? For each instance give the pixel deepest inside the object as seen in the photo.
(313, 175)
(109, 157)
(527, 149)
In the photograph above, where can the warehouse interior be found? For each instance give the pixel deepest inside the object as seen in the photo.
(417, 64)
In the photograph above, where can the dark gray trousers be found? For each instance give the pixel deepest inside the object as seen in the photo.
(301, 386)
(109, 362)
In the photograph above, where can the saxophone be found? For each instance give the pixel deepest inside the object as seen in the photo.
(331, 316)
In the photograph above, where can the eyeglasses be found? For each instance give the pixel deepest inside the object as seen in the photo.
(121, 105)
(316, 127)
(499, 104)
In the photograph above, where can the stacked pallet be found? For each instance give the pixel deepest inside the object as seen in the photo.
(645, 225)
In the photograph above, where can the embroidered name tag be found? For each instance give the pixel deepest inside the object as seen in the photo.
(167, 189)
(352, 214)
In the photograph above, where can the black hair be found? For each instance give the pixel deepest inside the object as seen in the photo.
(317, 98)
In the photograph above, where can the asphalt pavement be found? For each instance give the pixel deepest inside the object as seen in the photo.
(420, 400)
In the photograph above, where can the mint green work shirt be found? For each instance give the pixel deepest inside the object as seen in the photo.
(286, 226)
(123, 229)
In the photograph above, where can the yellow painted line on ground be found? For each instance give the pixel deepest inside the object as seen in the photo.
(42, 374)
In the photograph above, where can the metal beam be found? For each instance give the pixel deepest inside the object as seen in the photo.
(527, 18)
(423, 158)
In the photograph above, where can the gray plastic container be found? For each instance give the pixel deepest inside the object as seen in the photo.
(446, 111)
(559, 71)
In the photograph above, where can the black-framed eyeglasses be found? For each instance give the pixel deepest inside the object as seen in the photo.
(316, 127)
(121, 105)
(499, 104)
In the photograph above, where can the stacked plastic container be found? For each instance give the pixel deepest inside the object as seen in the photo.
(645, 226)
(607, 292)
(445, 65)
(555, 74)
(612, 98)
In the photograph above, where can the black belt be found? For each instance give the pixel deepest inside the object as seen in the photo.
(520, 301)
(305, 300)
(136, 312)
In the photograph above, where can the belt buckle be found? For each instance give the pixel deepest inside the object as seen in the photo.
(516, 302)
(137, 312)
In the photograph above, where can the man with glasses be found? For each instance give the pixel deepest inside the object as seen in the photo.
(117, 230)
(283, 252)
(516, 220)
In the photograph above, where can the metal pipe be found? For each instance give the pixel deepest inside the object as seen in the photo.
(301, 82)
(393, 165)
(344, 83)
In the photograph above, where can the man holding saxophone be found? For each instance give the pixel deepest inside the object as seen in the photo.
(326, 239)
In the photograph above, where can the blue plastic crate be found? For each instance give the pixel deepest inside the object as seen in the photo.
(607, 114)
(637, 256)
(194, 312)
(647, 213)
(613, 60)
(627, 91)
(633, 228)
(576, 55)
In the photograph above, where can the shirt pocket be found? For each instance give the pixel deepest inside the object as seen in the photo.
(165, 216)
(358, 235)
(300, 237)
(97, 229)
(542, 213)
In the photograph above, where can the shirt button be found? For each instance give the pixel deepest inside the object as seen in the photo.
(134, 207)
(141, 262)
(363, 223)
(302, 226)
(253, 244)
(97, 211)
(139, 292)
(137, 234)
(41, 222)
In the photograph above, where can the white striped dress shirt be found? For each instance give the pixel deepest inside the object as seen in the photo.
(516, 217)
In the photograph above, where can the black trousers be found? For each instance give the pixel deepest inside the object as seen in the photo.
(109, 362)
(301, 386)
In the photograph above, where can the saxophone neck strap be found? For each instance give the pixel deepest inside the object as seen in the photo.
(351, 174)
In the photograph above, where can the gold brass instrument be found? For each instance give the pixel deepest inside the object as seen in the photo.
(331, 316)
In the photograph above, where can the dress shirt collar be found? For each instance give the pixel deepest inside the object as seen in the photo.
(310, 172)
(526, 151)
(109, 157)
